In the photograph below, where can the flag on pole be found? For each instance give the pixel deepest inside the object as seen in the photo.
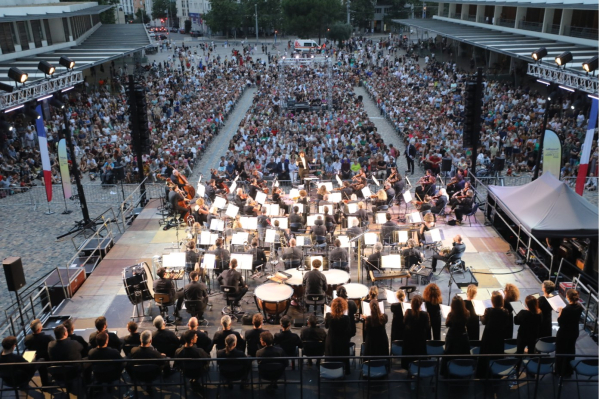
(63, 162)
(587, 148)
(43, 140)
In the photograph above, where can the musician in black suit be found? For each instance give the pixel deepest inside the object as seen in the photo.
(410, 153)
(165, 341)
(464, 207)
(190, 350)
(338, 254)
(203, 340)
(145, 351)
(355, 230)
(374, 260)
(133, 339)
(318, 229)
(314, 282)
(410, 255)
(231, 277)
(196, 291)
(347, 191)
(174, 199)
(293, 252)
(303, 166)
(8, 356)
(104, 352)
(166, 286)
(258, 255)
(101, 325)
(389, 191)
(38, 341)
(387, 229)
(222, 256)
(458, 248)
(295, 217)
(70, 326)
(312, 332)
(211, 190)
(238, 199)
(63, 348)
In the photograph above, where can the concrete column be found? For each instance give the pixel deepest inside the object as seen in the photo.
(548, 18)
(565, 21)
(70, 38)
(452, 10)
(464, 12)
(497, 13)
(480, 14)
(521, 12)
(492, 58)
(441, 10)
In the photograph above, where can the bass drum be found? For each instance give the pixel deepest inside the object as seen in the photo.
(138, 282)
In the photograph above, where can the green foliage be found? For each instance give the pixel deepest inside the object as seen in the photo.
(188, 26)
(269, 14)
(141, 17)
(223, 15)
(361, 13)
(306, 17)
(160, 9)
(398, 10)
(339, 32)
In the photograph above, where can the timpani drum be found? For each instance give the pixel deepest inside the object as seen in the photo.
(296, 282)
(356, 292)
(138, 282)
(273, 299)
(335, 277)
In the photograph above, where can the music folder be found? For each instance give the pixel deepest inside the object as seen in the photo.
(407, 196)
(392, 261)
(280, 277)
(239, 238)
(556, 302)
(220, 202)
(366, 308)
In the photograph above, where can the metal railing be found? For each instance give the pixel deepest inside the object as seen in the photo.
(584, 33)
(532, 26)
(426, 372)
(509, 23)
(137, 198)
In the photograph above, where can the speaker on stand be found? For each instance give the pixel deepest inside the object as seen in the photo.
(446, 167)
(15, 280)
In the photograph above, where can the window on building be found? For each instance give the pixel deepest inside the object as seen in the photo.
(23, 35)
(7, 43)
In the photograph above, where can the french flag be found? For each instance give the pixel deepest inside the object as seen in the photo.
(43, 139)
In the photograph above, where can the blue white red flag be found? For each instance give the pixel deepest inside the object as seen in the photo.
(42, 138)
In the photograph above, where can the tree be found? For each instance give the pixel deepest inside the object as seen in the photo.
(269, 14)
(306, 17)
(160, 9)
(141, 17)
(339, 32)
(223, 15)
(361, 12)
(188, 25)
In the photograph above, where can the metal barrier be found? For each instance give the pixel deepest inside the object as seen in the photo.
(590, 299)
(133, 200)
(370, 373)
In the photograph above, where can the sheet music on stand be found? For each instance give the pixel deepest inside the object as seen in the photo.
(339, 181)
(239, 238)
(414, 217)
(208, 261)
(380, 218)
(366, 308)
(518, 306)
(303, 241)
(283, 222)
(217, 225)
(407, 196)
(233, 187)
(328, 309)
(335, 197)
(294, 192)
(300, 208)
(260, 197)
(208, 238)
(392, 261)
(232, 210)
(351, 220)
(366, 192)
(220, 202)
(201, 190)
(390, 296)
(244, 260)
(375, 180)
(328, 185)
(270, 236)
(272, 209)
(432, 236)
(445, 310)
(310, 219)
(402, 236)
(344, 241)
(352, 207)
(249, 222)
(370, 238)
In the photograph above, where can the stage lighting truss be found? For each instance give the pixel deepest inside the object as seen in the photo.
(574, 80)
(39, 88)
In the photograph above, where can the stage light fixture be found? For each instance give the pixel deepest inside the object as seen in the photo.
(564, 58)
(46, 67)
(590, 65)
(540, 53)
(30, 112)
(6, 88)
(67, 62)
(17, 75)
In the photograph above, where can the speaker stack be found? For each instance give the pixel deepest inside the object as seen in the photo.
(13, 271)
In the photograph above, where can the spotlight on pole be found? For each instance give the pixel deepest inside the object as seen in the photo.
(17, 75)
(6, 88)
(47, 68)
(590, 65)
(563, 59)
(540, 53)
(67, 62)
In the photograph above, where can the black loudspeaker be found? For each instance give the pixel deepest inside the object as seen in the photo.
(498, 164)
(446, 164)
(13, 270)
(360, 98)
(299, 323)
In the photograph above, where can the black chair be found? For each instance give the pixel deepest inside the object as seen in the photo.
(320, 242)
(16, 378)
(292, 263)
(314, 300)
(145, 374)
(330, 371)
(374, 370)
(422, 369)
(127, 348)
(232, 371)
(196, 309)
(313, 349)
(295, 227)
(65, 376)
(272, 372)
(338, 264)
(230, 294)
(473, 212)
(194, 371)
(108, 375)
(163, 301)
(408, 290)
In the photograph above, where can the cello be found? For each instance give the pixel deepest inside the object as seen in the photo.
(189, 190)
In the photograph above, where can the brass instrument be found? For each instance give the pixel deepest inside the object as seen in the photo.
(445, 251)
(282, 240)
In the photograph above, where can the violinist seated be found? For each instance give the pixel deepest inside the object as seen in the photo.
(200, 211)
(321, 192)
(459, 196)
(389, 191)
(347, 191)
(251, 208)
(211, 190)
(177, 201)
(465, 206)
(254, 188)
(380, 199)
(437, 204)
(277, 199)
(240, 197)
(456, 184)
(338, 257)
(329, 221)
(292, 254)
(427, 224)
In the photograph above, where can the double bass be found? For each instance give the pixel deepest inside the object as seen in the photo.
(189, 190)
